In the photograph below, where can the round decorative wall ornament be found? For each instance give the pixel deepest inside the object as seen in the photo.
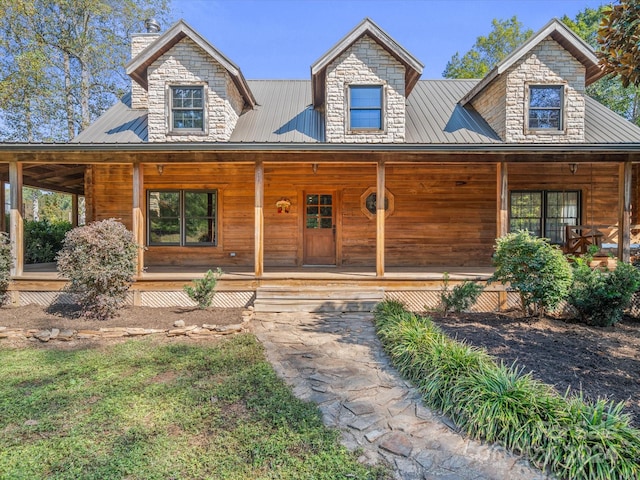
(369, 202)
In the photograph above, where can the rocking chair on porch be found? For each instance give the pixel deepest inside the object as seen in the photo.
(580, 237)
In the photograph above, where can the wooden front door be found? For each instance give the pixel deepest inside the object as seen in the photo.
(319, 228)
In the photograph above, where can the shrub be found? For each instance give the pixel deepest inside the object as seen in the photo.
(496, 403)
(203, 289)
(600, 296)
(5, 267)
(461, 297)
(99, 260)
(43, 239)
(536, 269)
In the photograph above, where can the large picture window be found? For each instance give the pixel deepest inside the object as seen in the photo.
(544, 213)
(545, 107)
(365, 107)
(182, 217)
(187, 108)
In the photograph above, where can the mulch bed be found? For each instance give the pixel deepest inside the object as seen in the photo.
(599, 362)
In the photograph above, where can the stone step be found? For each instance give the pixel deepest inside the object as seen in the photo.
(316, 299)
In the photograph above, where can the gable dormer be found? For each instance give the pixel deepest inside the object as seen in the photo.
(537, 94)
(362, 84)
(191, 90)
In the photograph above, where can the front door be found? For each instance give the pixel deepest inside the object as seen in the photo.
(319, 228)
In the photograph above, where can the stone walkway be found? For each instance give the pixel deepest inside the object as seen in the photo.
(336, 361)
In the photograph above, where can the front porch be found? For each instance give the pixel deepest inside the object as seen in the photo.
(163, 285)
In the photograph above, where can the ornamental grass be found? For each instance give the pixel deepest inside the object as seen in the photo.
(499, 403)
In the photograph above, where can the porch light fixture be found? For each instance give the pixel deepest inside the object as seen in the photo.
(160, 168)
(573, 168)
(314, 167)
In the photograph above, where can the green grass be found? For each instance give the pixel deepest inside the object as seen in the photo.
(147, 410)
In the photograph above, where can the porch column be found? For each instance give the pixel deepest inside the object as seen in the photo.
(3, 222)
(624, 212)
(259, 219)
(380, 214)
(16, 222)
(138, 217)
(502, 195)
(74, 210)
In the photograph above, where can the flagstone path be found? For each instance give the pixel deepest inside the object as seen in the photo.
(337, 362)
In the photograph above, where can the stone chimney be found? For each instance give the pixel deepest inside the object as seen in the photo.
(140, 41)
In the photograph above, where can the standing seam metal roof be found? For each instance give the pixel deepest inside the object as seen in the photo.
(284, 114)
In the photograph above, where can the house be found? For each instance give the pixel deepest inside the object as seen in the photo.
(276, 176)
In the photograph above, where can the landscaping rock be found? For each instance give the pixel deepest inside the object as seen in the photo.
(397, 443)
(43, 335)
(178, 323)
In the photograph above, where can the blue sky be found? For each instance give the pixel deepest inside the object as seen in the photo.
(282, 38)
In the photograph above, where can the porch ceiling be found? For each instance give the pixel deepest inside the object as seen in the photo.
(55, 177)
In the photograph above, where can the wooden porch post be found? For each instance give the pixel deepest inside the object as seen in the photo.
(502, 195)
(138, 216)
(16, 228)
(380, 217)
(3, 220)
(74, 210)
(624, 212)
(259, 219)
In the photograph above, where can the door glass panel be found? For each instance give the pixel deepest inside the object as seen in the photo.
(319, 211)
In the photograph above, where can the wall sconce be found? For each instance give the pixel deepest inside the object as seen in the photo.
(160, 168)
(314, 167)
(573, 168)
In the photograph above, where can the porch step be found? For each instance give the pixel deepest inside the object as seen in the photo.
(316, 299)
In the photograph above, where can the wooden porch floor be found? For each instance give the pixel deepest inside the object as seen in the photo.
(238, 277)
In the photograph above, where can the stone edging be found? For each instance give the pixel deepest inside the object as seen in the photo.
(66, 334)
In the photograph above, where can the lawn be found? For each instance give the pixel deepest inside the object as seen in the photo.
(153, 408)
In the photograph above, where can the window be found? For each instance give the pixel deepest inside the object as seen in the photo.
(545, 107)
(187, 108)
(365, 107)
(182, 217)
(545, 213)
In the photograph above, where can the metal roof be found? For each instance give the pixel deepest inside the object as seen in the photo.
(284, 114)
(119, 124)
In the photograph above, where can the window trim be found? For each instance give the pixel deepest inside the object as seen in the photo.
(561, 130)
(382, 108)
(169, 106)
(182, 219)
(544, 207)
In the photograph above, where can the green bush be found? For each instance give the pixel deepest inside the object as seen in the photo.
(495, 403)
(461, 297)
(5, 267)
(43, 239)
(536, 269)
(99, 260)
(204, 289)
(601, 296)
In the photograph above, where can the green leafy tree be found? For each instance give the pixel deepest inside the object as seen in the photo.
(488, 50)
(62, 62)
(609, 90)
(619, 36)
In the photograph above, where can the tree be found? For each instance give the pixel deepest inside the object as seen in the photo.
(609, 90)
(488, 51)
(619, 38)
(62, 62)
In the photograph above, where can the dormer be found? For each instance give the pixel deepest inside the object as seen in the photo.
(537, 94)
(191, 90)
(362, 84)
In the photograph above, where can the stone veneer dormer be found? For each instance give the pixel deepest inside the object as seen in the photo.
(554, 56)
(182, 58)
(367, 56)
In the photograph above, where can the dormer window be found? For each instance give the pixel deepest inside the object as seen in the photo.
(545, 107)
(365, 108)
(187, 109)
